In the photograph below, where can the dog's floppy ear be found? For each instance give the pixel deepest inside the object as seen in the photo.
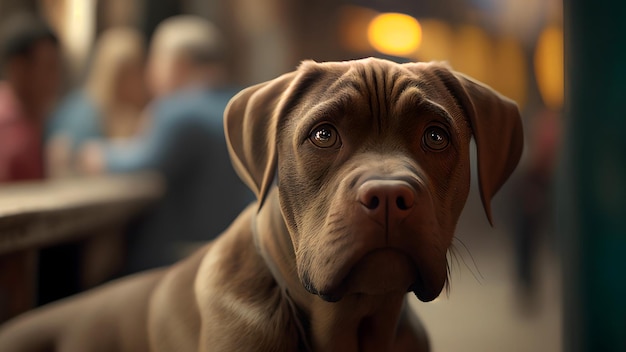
(250, 121)
(497, 127)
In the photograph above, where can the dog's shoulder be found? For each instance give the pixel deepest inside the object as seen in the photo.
(236, 292)
(174, 321)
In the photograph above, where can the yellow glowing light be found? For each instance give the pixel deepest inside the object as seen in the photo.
(395, 34)
(437, 40)
(353, 23)
(510, 69)
(549, 66)
(76, 24)
(472, 53)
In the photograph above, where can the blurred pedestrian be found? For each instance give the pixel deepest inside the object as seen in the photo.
(535, 192)
(184, 141)
(30, 68)
(107, 106)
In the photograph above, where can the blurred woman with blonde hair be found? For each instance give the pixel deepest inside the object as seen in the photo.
(107, 106)
(183, 141)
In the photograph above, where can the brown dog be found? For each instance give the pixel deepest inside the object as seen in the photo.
(361, 170)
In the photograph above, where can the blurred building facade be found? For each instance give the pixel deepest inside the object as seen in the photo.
(495, 41)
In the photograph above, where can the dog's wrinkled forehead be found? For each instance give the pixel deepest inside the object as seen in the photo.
(382, 90)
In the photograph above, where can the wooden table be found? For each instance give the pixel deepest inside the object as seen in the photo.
(36, 215)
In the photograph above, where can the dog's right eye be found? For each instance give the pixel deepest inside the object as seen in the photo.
(436, 138)
(324, 136)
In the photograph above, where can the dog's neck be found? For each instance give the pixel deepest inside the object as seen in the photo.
(355, 323)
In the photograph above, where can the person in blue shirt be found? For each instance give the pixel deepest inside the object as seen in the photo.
(108, 105)
(184, 141)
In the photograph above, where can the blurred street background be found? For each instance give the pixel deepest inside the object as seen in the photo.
(121, 84)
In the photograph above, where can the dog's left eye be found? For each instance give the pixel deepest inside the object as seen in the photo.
(324, 136)
(436, 138)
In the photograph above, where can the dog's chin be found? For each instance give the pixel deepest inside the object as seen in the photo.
(425, 294)
(381, 272)
(428, 291)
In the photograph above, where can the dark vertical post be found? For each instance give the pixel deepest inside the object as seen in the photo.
(592, 180)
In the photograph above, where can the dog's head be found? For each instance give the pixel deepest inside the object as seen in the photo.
(372, 164)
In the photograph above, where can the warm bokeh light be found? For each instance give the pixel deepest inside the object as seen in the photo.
(353, 24)
(395, 34)
(512, 69)
(497, 61)
(549, 66)
(80, 27)
(437, 40)
(75, 23)
(472, 53)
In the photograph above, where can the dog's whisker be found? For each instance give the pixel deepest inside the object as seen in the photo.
(478, 276)
(447, 282)
(454, 251)
(450, 259)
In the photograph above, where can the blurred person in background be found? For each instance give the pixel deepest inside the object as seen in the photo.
(184, 141)
(108, 106)
(30, 69)
(535, 193)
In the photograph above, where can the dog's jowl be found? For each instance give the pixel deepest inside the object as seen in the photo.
(361, 170)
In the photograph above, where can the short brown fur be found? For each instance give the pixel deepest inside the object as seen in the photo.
(340, 233)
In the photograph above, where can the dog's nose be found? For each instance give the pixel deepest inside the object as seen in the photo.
(387, 201)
